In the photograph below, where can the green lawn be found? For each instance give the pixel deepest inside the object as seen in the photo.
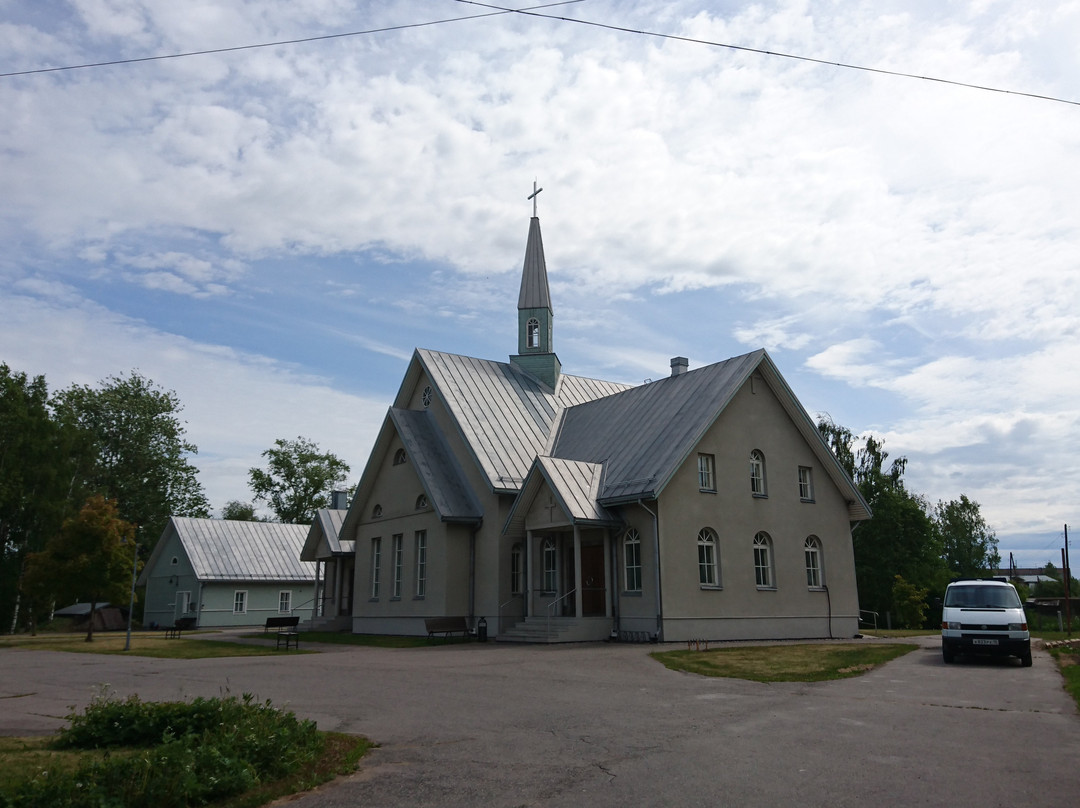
(812, 662)
(142, 644)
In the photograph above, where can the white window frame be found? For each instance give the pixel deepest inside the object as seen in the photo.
(764, 576)
(240, 599)
(399, 563)
(183, 601)
(551, 565)
(516, 571)
(420, 538)
(706, 469)
(806, 484)
(708, 544)
(532, 333)
(284, 604)
(758, 485)
(400, 457)
(632, 560)
(376, 566)
(815, 569)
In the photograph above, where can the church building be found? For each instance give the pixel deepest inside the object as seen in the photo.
(556, 508)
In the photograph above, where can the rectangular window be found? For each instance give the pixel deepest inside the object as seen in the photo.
(421, 563)
(284, 603)
(376, 566)
(632, 561)
(239, 604)
(806, 484)
(550, 569)
(705, 472)
(183, 602)
(515, 570)
(399, 563)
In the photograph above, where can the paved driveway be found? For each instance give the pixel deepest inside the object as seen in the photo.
(605, 725)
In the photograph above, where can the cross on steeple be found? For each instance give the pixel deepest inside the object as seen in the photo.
(532, 196)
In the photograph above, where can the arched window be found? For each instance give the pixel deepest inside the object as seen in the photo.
(376, 512)
(421, 502)
(400, 457)
(757, 474)
(427, 395)
(815, 575)
(532, 333)
(763, 570)
(550, 557)
(707, 557)
(515, 570)
(632, 560)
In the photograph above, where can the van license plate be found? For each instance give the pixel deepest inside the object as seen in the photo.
(984, 642)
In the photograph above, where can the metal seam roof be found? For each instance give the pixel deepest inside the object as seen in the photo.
(224, 550)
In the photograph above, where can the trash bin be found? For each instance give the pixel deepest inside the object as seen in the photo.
(481, 629)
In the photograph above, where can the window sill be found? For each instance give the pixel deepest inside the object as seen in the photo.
(372, 600)
(759, 496)
(396, 597)
(817, 589)
(766, 589)
(632, 594)
(712, 587)
(807, 500)
(419, 597)
(707, 490)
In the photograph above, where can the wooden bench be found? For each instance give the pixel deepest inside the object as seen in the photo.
(289, 638)
(281, 623)
(446, 626)
(182, 624)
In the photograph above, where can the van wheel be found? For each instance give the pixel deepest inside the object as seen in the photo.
(947, 655)
(1025, 659)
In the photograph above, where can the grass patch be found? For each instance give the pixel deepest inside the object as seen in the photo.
(1068, 660)
(784, 663)
(376, 640)
(142, 644)
(224, 752)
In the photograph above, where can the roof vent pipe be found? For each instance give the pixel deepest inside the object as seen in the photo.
(679, 365)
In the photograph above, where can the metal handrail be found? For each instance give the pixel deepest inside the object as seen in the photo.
(551, 609)
(503, 606)
(872, 622)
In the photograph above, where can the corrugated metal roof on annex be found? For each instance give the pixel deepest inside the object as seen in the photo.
(222, 550)
(505, 415)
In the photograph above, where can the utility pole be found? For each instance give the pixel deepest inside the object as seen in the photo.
(131, 602)
(1068, 577)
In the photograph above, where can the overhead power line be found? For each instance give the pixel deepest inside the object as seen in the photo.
(761, 51)
(494, 13)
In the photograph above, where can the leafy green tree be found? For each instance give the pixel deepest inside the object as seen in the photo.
(239, 511)
(298, 480)
(968, 545)
(899, 539)
(39, 484)
(139, 456)
(89, 560)
(910, 603)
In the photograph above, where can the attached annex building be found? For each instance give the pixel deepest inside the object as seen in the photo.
(227, 573)
(562, 508)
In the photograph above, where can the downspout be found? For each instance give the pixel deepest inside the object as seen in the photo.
(615, 583)
(472, 575)
(656, 551)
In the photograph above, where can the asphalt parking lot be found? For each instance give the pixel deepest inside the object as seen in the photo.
(605, 725)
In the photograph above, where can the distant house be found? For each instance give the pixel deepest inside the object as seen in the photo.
(227, 573)
(561, 508)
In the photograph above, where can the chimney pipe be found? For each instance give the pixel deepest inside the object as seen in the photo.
(679, 365)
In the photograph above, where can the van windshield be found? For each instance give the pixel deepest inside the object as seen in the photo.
(982, 597)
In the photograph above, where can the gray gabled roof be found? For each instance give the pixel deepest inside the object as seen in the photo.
(643, 435)
(504, 416)
(534, 292)
(326, 530)
(576, 487)
(442, 477)
(225, 550)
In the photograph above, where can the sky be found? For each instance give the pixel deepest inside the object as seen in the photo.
(270, 232)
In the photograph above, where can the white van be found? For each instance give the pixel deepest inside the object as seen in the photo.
(984, 616)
